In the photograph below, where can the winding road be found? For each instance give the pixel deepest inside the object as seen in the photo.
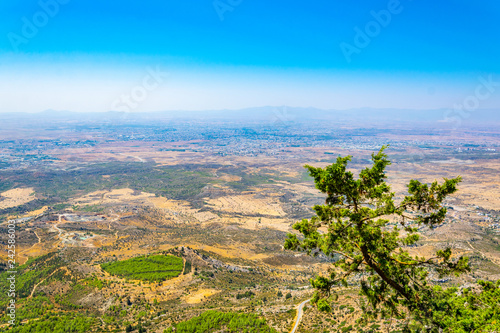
(300, 312)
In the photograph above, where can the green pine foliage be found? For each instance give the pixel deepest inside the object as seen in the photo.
(246, 294)
(469, 310)
(368, 232)
(32, 272)
(63, 323)
(153, 268)
(230, 322)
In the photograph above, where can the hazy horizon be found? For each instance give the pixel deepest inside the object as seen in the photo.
(93, 56)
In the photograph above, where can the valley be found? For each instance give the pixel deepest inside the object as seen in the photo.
(219, 200)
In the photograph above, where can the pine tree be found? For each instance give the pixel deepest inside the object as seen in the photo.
(369, 233)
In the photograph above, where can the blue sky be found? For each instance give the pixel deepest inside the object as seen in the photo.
(83, 55)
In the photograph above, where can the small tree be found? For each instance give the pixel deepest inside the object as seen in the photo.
(362, 225)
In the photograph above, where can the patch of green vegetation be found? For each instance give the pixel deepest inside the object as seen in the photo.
(61, 323)
(249, 180)
(27, 207)
(62, 206)
(43, 268)
(187, 267)
(170, 181)
(215, 321)
(91, 209)
(152, 268)
(246, 294)
(31, 308)
(95, 283)
(67, 300)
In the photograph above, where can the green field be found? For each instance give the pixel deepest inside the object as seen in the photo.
(215, 321)
(151, 268)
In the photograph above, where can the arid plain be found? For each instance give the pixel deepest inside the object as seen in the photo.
(83, 198)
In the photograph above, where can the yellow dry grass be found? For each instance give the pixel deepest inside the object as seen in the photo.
(37, 212)
(16, 197)
(229, 178)
(205, 216)
(259, 256)
(174, 208)
(246, 204)
(172, 205)
(113, 196)
(223, 251)
(200, 295)
(30, 214)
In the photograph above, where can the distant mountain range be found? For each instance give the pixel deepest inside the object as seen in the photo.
(283, 114)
